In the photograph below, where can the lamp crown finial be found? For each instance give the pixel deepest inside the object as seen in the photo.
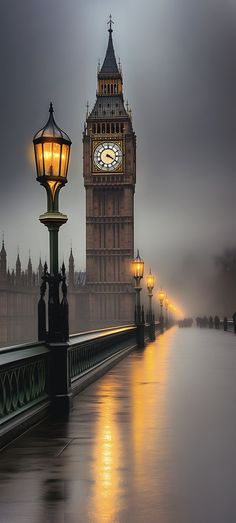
(51, 110)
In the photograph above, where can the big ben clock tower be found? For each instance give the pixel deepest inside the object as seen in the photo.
(109, 169)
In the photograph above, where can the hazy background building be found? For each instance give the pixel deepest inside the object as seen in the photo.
(178, 65)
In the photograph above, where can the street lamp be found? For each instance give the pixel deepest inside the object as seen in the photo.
(52, 153)
(138, 270)
(150, 286)
(161, 297)
(167, 307)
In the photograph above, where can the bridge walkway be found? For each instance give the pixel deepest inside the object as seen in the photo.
(152, 441)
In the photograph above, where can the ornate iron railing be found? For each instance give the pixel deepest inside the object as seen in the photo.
(36, 376)
(87, 350)
(23, 379)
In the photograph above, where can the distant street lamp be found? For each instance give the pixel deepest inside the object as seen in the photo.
(150, 286)
(167, 308)
(138, 271)
(52, 152)
(161, 297)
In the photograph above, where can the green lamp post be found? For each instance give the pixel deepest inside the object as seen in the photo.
(151, 319)
(52, 153)
(150, 286)
(138, 270)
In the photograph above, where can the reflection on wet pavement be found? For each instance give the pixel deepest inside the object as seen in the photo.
(151, 441)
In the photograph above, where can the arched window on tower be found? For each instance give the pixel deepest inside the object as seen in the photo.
(108, 88)
(98, 128)
(103, 128)
(112, 128)
(108, 128)
(122, 127)
(105, 88)
(94, 128)
(117, 128)
(111, 88)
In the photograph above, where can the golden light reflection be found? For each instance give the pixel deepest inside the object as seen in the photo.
(53, 186)
(133, 439)
(149, 375)
(30, 155)
(107, 457)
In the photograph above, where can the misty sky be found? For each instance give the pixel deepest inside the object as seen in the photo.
(178, 62)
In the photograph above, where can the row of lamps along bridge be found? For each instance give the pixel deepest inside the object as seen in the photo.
(52, 153)
(138, 273)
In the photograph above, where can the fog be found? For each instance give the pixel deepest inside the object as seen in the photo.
(178, 62)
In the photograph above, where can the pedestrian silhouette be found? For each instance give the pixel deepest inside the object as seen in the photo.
(210, 322)
(225, 323)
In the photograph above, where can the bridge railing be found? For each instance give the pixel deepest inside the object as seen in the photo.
(33, 376)
(216, 323)
(24, 384)
(90, 349)
(230, 325)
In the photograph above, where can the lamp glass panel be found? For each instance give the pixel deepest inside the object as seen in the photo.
(47, 155)
(150, 281)
(64, 160)
(51, 154)
(138, 269)
(39, 159)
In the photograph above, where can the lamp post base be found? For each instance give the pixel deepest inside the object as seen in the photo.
(61, 406)
(140, 335)
(61, 395)
(152, 332)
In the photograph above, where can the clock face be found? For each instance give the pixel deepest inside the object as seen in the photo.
(108, 156)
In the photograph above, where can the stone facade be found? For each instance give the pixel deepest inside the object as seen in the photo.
(109, 170)
(19, 295)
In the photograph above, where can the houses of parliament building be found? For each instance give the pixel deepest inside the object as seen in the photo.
(104, 295)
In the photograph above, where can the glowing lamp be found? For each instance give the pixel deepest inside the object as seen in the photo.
(52, 153)
(150, 282)
(161, 296)
(138, 267)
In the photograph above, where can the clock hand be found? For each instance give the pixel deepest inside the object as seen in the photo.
(109, 156)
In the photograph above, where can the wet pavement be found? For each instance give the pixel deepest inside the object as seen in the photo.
(152, 441)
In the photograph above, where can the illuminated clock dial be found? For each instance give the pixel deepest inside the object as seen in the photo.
(108, 156)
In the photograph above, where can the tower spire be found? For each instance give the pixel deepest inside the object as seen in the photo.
(3, 261)
(109, 68)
